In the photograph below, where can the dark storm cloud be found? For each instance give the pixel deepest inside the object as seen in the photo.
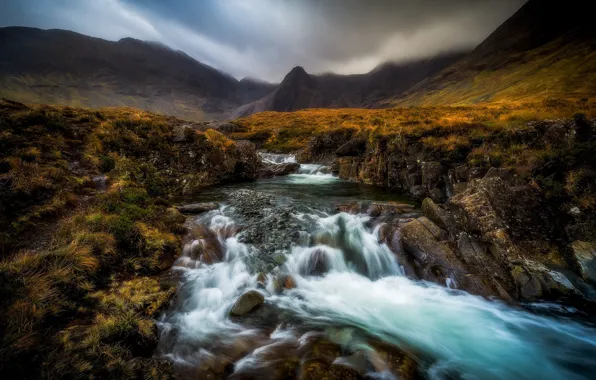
(266, 38)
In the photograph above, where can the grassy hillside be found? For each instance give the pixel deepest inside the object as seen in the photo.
(546, 50)
(557, 71)
(85, 227)
(60, 67)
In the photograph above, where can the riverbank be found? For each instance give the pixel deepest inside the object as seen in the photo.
(87, 224)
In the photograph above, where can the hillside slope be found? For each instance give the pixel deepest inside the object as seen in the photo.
(300, 90)
(67, 68)
(545, 50)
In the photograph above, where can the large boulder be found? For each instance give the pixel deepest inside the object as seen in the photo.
(247, 302)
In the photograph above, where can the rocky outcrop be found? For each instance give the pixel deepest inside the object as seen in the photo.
(487, 229)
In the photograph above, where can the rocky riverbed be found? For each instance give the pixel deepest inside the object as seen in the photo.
(286, 280)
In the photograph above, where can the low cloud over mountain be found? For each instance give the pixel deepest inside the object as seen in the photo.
(266, 38)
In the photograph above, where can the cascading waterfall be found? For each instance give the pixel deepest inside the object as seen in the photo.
(345, 277)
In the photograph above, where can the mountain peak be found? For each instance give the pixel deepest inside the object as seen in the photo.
(296, 72)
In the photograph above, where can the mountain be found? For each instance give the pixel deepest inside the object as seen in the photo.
(300, 90)
(545, 50)
(63, 67)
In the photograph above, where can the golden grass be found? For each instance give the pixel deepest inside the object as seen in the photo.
(291, 131)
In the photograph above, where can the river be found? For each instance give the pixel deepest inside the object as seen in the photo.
(348, 289)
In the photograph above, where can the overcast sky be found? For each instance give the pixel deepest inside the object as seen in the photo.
(266, 38)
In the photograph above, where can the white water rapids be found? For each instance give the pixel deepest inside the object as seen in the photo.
(457, 335)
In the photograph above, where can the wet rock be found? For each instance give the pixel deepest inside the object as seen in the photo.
(437, 214)
(358, 361)
(261, 278)
(276, 170)
(313, 369)
(584, 254)
(353, 148)
(420, 238)
(247, 302)
(536, 282)
(280, 259)
(289, 282)
(388, 358)
(197, 208)
(351, 208)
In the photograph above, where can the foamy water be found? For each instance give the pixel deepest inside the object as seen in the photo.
(362, 287)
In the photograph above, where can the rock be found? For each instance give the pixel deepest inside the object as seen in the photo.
(227, 127)
(248, 162)
(173, 216)
(197, 208)
(353, 148)
(459, 188)
(462, 173)
(435, 213)
(247, 302)
(432, 174)
(418, 191)
(437, 195)
(276, 170)
(261, 278)
(584, 254)
(535, 282)
(584, 231)
(352, 367)
(280, 259)
(502, 173)
(420, 238)
(289, 282)
(183, 133)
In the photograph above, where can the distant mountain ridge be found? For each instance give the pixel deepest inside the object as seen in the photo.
(300, 90)
(64, 67)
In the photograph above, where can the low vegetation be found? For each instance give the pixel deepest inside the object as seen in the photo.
(447, 128)
(86, 225)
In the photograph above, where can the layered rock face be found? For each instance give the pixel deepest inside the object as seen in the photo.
(488, 230)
